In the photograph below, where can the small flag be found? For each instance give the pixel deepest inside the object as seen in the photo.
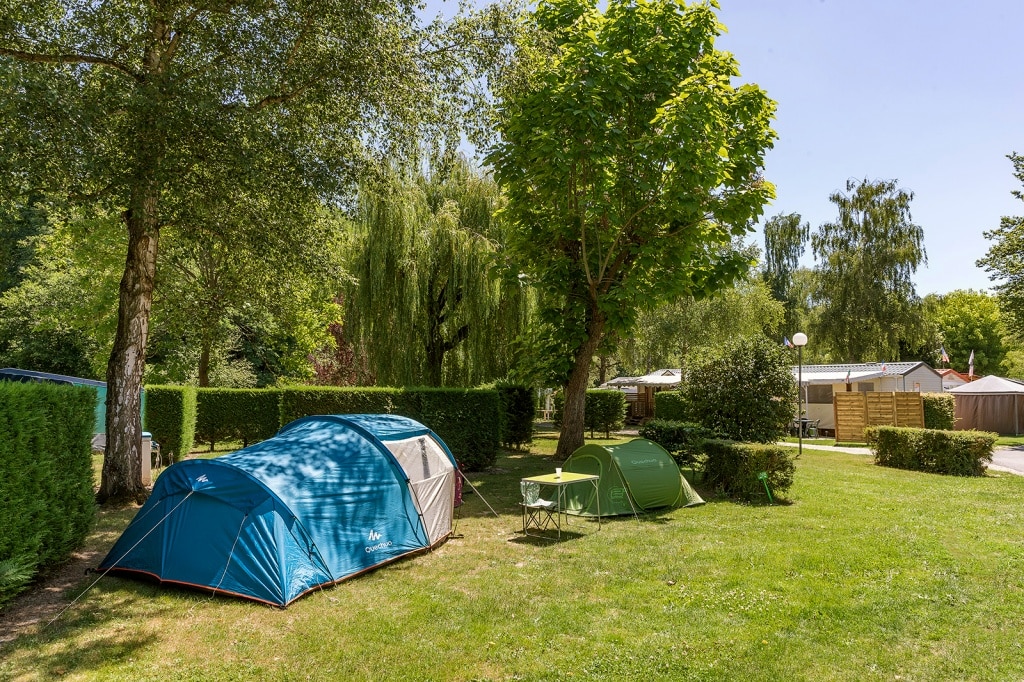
(787, 343)
(970, 366)
(847, 376)
(945, 355)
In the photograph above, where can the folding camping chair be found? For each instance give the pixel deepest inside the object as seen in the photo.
(537, 513)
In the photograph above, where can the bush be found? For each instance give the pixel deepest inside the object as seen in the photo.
(46, 482)
(670, 406)
(939, 411)
(683, 440)
(744, 391)
(603, 410)
(248, 415)
(467, 420)
(734, 467)
(517, 410)
(171, 418)
(955, 453)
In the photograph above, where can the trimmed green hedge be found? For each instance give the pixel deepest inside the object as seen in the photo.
(467, 420)
(302, 401)
(171, 418)
(517, 411)
(248, 415)
(683, 440)
(939, 411)
(604, 410)
(46, 483)
(734, 467)
(670, 406)
(955, 453)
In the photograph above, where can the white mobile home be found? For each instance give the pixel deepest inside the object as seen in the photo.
(819, 383)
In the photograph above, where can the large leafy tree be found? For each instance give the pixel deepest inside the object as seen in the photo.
(425, 306)
(219, 279)
(970, 321)
(1005, 259)
(865, 263)
(157, 110)
(630, 162)
(785, 238)
(62, 313)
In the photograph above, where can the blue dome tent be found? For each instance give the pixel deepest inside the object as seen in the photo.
(325, 499)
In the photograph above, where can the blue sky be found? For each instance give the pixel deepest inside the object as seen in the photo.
(928, 92)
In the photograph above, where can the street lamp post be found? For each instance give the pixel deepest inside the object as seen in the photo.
(800, 340)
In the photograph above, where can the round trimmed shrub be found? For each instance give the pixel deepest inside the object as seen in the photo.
(742, 391)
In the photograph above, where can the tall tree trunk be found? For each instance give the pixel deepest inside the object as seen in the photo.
(570, 438)
(121, 480)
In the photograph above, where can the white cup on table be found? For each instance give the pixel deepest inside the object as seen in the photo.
(558, 472)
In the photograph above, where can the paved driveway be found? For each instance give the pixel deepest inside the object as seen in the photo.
(1009, 459)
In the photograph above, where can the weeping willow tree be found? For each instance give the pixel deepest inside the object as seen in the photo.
(428, 304)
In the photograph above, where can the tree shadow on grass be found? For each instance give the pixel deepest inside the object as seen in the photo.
(98, 632)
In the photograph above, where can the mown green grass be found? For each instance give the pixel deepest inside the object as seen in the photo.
(865, 574)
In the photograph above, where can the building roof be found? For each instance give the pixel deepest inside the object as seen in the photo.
(661, 377)
(952, 377)
(863, 371)
(989, 385)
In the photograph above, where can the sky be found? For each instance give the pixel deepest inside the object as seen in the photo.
(927, 92)
(930, 93)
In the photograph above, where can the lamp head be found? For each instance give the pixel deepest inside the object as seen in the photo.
(799, 339)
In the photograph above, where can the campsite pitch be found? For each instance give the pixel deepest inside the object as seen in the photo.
(870, 573)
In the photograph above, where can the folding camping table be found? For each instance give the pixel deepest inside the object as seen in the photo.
(559, 483)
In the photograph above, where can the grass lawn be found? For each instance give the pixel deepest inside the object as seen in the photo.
(867, 574)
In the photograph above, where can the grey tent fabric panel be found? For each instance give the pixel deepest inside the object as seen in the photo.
(432, 479)
(993, 412)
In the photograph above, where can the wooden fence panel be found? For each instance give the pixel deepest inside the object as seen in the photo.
(850, 416)
(856, 411)
(909, 410)
(881, 409)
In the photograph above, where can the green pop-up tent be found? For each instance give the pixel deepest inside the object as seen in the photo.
(636, 476)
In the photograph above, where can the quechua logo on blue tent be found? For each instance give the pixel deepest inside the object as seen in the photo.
(373, 536)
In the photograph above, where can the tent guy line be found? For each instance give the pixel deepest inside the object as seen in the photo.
(104, 573)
